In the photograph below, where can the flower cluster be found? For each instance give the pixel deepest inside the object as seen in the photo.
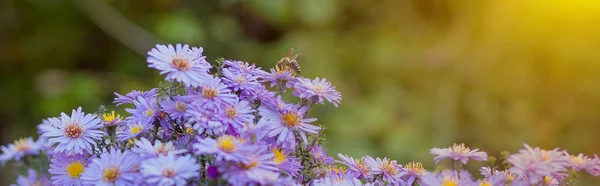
(227, 124)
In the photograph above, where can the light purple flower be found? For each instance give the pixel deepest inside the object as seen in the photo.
(175, 107)
(20, 148)
(206, 120)
(133, 95)
(390, 170)
(212, 94)
(180, 63)
(170, 170)
(225, 148)
(283, 123)
(148, 150)
(317, 90)
(286, 162)
(76, 133)
(534, 164)
(236, 115)
(112, 168)
(582, 162)
(414, 171)
(320, 155)
(239, 81)
(458, 153)
(32, 179)
(67, 170)
(145, 111)
(244, 68)
(356, 166)
(340, 179)
(133, 130)
(259, 163)
(448, 177)
(276, 77)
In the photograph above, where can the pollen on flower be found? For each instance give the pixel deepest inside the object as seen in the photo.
(189, 130)
(22, 145)
(460, 148)
(181, 64)
(362, 166)
(75, 169)
(226, 143)
(449, 181)
(73, 131)
(577, 160)
(209, 92)
(180, 106)
(289, 119)
(389, 167)
(169, 172)
(240, 79)
(162, 149)
(416, 168)
(279, 156)
(231, 112)
(485, 183)
(252, 164)
(111, 117)
(110, 174)
(136, 129)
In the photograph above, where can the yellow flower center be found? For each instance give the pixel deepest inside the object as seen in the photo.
(448, 181)
(389, 167)
(226, 143)
(74, 169)
(289, 119)
(136, 129)
(149, 112)
(362, 167)
(251, 165)
(180, 106)
(417, 168)
(169, 172)
(279, 156)
(73, 131)
(577, 160)
(460, 148)
(111, 117)
(240, 79)
(209, 92)
(231, 112)
(110, 174)
(189, 130)
(181, 64)
(21, 145)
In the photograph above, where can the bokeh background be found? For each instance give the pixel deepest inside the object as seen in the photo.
(414, 74)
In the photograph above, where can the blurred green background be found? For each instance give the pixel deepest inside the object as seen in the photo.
(414, 74)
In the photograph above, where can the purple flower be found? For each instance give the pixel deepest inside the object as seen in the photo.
(205, 120)
(340, 179)
(274, 179)
(283, 123)
(244, 68)
(180, 63)
(32, 179)
(276, 77)
(225, 147)
(356, 166)
(317, 90)
(237, 115)
(259, 163)
(133, 130)
(133, 95)
(239, 81)
(582, 162)
(144, 112)
(175, 107)
(389, 169)
(112, 168)
(286, 163)
(20, 148)
(458, 153)
(170, 170)
(534, 164)
(76, 133)
(414, 171)
(146, 150)
(213, 94)
(320, 155)
(67, 170)
(111, 119)
(446, 178)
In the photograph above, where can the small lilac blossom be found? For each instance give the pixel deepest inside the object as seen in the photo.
(274, 179)
(283, 123)
(240, 81)
(260, 162)
(317, 90)
(276, 77)
(342, 179)
(67, 169)
(146, 149)
(175, 107)
(133, 95)
(111, 119)
(112, 168)
(132, 130)
(390, 170)
(286, 163)
(414, 171)
(32, 179)
(76, 133)
(582, 162)
(180, 63)
(356, 166)
(236, 115)
(225, 147)
(244, 68)
(447, 177)
(206, 120)
(170, 170)
(534, 164)
(320, 155)
(213, 93)
(20, 148)
(458, 153)
(145, 111)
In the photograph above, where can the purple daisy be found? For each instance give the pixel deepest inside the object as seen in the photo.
(240, 81)
(112, 168)
(170, 170)
(133, 95)
(32, 179)
(180, 63)
(175, 107)
(283, 123)
(533, 165)
(414, 171)
(20, 148)
(458, 153)
(67, 170)
(76, 133)
(390, 170)
(111, 119)
(286, 163)
(276, 77)
(133, 130)
(582, 162)
(320, 155)
(237, 115)
(317, 90)
(244, 68)
(259, 163)
(213, 94)
(144, 112)
(273, 179)
(147, 150)
(356, 167)
(206, 120)
(225, 147)
(340, 179)
(447, 177)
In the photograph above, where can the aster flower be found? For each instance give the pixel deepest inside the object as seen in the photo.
(225, 147)
(244, 68)
(32, 179)
(133, 130)
(414, 171)
(261, 94)
(76, 133)
(67, 170)
(279, 77)
(133, 95)
(356, 166)
(236, 115)
(170, 169)
(274, 179)
(213, 94)
(447, 178)
(286, 163)
(180, 63)
(145, 111)
(239, 81)
(317, 90)
(206, 120)
(20, 148)
(389, 169)
(458, 153)
(283, 123)
(582, 162)
(534, 164)
(320, 155)
(147, 150)
(175, 107)
(259, 163)
(110, 119)
(112, 168)
(342, 179)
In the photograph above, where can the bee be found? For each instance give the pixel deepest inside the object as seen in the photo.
(289, 64)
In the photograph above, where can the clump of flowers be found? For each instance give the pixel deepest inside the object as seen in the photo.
(226, 124)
